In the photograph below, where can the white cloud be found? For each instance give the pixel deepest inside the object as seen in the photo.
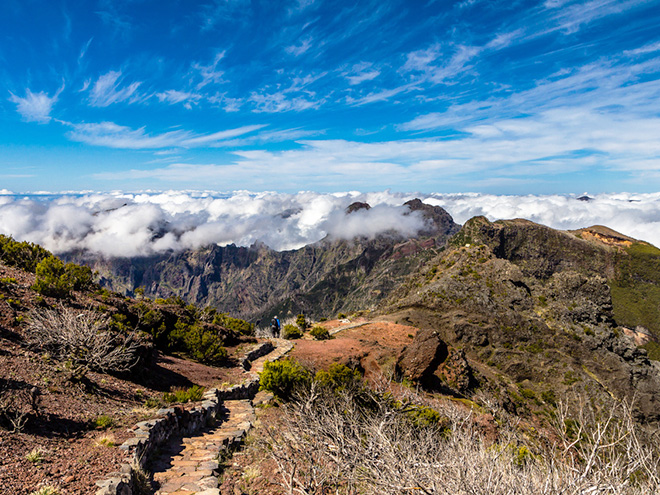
(107, 91)
(143, 224)
(35, 107)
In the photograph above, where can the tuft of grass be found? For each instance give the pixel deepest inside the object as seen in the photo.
(193, 394)
(105, 441)
(36, 455)
(152, 403)
(103, 422)
(46, 490)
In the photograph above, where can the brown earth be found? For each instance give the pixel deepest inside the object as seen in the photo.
(61, 411)
(372, 347)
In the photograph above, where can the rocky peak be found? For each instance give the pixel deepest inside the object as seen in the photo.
(357, 206)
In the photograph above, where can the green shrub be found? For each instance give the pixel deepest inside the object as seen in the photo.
(56, 279)
(338, 377)
(283, 377)
(423, 416)
(200, 343)
(25, 255)
(291, 332)
(235, 324)
(51, 280)
(302, 323)
(205, 345)
(193, 394)
(319, 333)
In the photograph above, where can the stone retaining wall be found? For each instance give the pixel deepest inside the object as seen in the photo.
(171, 422)
(259, 351)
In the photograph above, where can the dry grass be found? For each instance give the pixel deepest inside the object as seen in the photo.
(352, 443)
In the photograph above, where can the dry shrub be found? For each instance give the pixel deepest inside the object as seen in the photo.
(84, 338)
(17, 405)
(343, 443)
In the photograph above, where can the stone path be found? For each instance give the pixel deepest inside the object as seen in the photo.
(190, 465)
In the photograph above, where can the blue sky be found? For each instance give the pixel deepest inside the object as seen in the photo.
(504, 97)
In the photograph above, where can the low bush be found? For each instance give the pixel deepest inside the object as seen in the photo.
(302, 323)
(319, 332)
(291, 332)
(338, 377)
(200, 342)
(283, 377)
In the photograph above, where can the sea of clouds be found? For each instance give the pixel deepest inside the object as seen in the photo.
(139, 224)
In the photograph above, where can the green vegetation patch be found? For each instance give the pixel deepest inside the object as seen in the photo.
(192, 394)
(338, 377)
(25, 255)
(636, 287)
(653, 350)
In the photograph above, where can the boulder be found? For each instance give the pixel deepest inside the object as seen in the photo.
(423, 356)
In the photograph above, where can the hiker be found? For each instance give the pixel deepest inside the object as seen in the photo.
(275, 326)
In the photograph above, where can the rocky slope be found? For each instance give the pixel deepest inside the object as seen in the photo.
(531, 309)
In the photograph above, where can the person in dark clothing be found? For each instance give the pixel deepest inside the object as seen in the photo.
(275, 326)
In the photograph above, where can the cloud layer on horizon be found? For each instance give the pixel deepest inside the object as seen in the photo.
(126, 225)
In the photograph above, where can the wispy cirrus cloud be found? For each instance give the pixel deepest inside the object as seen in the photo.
(209, 74)
(296, 97)
(569, 17)
(298, 49)
(35, 107)
(280, 102)
(360, 73)
(112, 135)
(108, 90)
(173, 97)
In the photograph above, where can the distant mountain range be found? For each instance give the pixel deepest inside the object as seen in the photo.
(541, 309)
